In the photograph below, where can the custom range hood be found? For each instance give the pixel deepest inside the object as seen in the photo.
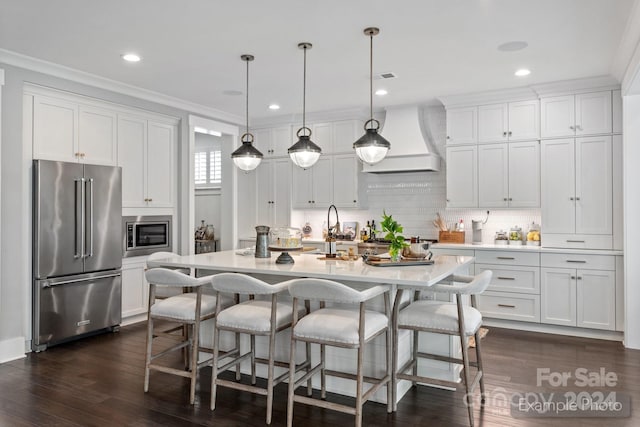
(409, 148)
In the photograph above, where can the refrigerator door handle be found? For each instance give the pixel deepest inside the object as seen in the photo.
(51, 284)
(90, 218)
(79, 225)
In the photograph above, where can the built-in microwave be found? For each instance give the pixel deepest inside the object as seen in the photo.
(144, 235)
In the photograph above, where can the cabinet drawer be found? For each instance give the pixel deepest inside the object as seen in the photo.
(579, 261)
(456, 252)
(577, 241)
(512, 279)
(498, 305)
(508, 258)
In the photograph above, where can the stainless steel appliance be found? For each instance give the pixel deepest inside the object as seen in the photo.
(77, 255)
(144, 235)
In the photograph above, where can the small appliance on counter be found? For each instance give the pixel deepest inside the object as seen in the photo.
(476, 226)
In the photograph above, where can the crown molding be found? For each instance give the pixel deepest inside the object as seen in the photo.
(588, 84)
(38, 65)
(488, 97)
(626, 55)
(315, 117)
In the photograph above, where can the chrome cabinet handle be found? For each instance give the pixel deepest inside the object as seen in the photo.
(577, 198)
(510, 199)
(577, 261)
(579, 277)
(505, 257)
(573, 277)
(505, 199)
(572, 127)
(507, 305)
(448, 137)
(506, 278)
(504, 133)
(571, 198)
(510, 133)
(575, 241)
(578, 127)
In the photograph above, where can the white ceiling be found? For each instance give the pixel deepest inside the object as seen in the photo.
(191, 49)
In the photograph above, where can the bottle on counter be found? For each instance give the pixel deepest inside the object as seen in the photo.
(373, 229)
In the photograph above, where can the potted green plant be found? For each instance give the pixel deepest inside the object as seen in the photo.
(393, 230)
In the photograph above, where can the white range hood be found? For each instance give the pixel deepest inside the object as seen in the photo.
(409, 148)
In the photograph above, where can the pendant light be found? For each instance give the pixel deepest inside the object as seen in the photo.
(247, 157)
(371, 148)
(304, 153)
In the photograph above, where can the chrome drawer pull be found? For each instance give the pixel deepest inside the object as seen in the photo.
(575, 241)
(507, 278)
(505, 257)
(506, 305)
(577, 261)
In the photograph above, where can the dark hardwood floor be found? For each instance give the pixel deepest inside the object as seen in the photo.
(98, 381)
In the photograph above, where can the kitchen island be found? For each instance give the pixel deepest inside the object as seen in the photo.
(353, 273)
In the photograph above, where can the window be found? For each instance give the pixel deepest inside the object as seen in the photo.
(208, 168)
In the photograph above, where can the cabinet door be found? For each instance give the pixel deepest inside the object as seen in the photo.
(265, 192)
(345, 133)
(281, 140)
(596, 299)
(616, 102)
(97, 136)
(322, 183)
(462, 177)
(301, 187)
(593, 113)
(322, 135)
(345, 181)
(462, 125)
(132, 137)
(263, 142)
(160, 146)
(524, 174)
(524, 120)
(55, 129)
(493, 184)
(558, 186)
(135, 290)
(557, 116)
(594, 187)
(247, 207)
(281, 192)
(558, 296)
(492, 123)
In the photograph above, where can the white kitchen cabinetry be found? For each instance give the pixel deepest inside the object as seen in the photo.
(462, 176)
(146, 155)
(135, 289)
(462, 125)
(273, 193)
(67, 130)
(583, 295)
(576, 115)
(273, 142)
(346, 181)
(313, 187)
(345, 133)
(513, 121)
(577, 192)
(247, 202)
(509, 175)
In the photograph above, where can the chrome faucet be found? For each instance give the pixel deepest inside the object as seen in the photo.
(336, 227)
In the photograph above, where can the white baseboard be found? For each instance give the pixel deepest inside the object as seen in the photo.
(12, 349)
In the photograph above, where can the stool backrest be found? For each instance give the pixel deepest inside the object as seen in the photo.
(167, 277)
(472, 284)
(243, 284)
(325, 290)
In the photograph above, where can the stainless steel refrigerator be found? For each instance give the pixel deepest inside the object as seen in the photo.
(77, 250)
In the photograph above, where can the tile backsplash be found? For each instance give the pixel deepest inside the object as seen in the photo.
(415, 198)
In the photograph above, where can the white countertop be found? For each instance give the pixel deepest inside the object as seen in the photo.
(525, 248)
(308, 265)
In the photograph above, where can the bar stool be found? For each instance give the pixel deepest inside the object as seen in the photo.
(185, 308)
(338, 327)
(166, 291)
(443, 318)
(255, 318)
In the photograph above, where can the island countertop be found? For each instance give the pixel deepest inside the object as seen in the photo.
(309, 265)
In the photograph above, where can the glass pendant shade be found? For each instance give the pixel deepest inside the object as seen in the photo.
(304, 153)
(371, 148)
(247, 157)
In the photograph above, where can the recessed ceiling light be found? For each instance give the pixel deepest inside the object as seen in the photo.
(131, 57)
(522, 72)
(512, 46)
(274, 107)
(381, 92)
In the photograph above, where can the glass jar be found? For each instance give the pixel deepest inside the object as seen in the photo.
(285, 238)
(533, 236)
(515, 236)
(501, 238)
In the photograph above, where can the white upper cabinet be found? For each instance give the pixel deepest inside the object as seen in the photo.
(132, 141)
(160, 164)
(558, 186)
(514, 121)
(312, 188)
(322, 135)
(582, 114)
(493, 175)
(273, 193)
(345, 133)
(462, 125)
(273, 142)
(346, 176)
(462, 176)
(66, 130)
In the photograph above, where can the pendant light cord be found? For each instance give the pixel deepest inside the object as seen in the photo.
(247, 109)
(304, 88)
(371, 74)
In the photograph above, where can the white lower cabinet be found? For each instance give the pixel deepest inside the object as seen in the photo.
(583, 297)
(135, 290)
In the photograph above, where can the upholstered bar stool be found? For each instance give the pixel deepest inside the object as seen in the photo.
(186, 308)
(339, 327)
(255, 318)
(443, 318)
(166, 291)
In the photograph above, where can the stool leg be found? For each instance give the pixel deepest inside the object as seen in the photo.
(390, 384)
(394, 358)
(359, 382)
(292, 378)
(238, 376)
(253, 359)
(272, 340)
(464, 343)
(323, 377)
(148, 355)
(308, 362)
(414, 354)
(194, 360)
(480, 368)
(214, 363)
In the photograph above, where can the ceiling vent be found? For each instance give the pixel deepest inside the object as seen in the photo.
(384, 76)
